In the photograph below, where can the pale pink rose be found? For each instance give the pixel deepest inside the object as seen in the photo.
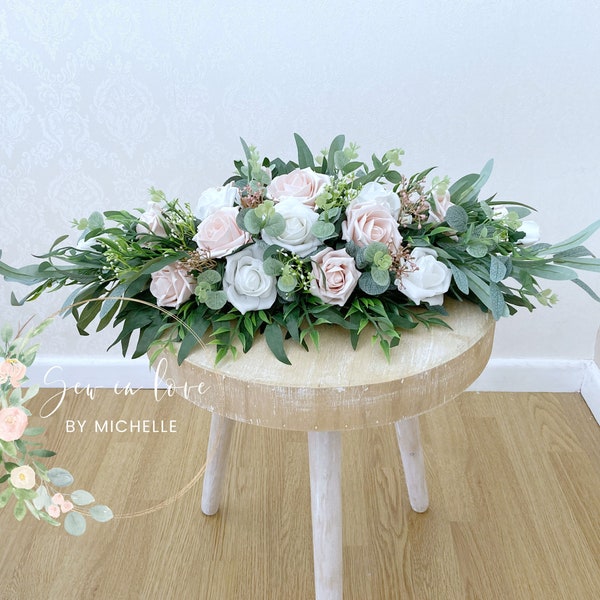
(13, 422)
(172, 286)
(368, 222)
(219, 233)
(335, 276)
(304, 184)
(13, 370)
(66, 506)
(152, 220)
(53, 511)
(23, 477)
(441, 204)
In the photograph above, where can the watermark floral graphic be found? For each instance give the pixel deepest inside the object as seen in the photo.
(27, 483)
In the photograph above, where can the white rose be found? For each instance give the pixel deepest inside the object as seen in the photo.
(214, 198)
(246, 284)
(299, 219)
(532, 233)
(429, 281)
(23, 478)
(150, 221)
(375, 192)
(441, 204)
(499, 213)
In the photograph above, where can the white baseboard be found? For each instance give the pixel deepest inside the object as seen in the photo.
(590, 389)
(500, 375)
(531, 375)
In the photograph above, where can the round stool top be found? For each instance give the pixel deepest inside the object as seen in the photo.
(335, 387)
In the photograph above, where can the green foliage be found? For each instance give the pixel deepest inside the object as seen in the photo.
(112, 266)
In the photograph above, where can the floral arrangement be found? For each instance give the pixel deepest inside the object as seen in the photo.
(20, 457)
(282, 248)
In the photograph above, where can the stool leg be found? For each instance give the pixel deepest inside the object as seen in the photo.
(411, 451)
(325, 460)
(219, 441)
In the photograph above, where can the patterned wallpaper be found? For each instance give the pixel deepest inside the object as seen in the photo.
(101, 100)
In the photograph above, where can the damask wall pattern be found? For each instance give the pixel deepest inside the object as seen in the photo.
(99, 100)
(93, 113)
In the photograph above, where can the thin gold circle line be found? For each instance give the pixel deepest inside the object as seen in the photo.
(202, 470)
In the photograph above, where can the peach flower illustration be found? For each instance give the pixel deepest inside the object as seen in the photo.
(13, 422)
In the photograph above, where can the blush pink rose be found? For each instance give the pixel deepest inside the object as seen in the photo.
(368, 222)
(12, 370)
(300, 183)
(13, 422)
(335, 276)
(219, 233)
(150, 221)
(66, 506)
(54, 511)
(172, 286)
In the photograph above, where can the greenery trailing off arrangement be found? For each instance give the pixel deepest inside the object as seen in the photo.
(283, 247)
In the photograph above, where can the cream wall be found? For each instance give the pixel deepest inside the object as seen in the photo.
(101, 100)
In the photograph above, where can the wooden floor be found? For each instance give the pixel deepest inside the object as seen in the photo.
(515, 509)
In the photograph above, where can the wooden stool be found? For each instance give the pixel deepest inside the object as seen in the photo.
(330, 390)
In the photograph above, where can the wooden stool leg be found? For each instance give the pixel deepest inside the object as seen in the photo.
(219, 441)
(325, 460)
(411, 451)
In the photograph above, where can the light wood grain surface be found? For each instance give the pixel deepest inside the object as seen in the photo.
(335, 388)
(514, 484)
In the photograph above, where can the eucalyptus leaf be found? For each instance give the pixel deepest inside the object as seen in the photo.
(461, 280)
(210, 276)
(368, 285)
(272, 266)
(457, 218)
(60, 477)
(323, 230)
(554, 272)
(337, 145)
(380, 277)
(587, 264)
(82, 498)
(305, 156)
(497, 269)
(101, 513)
(498, 305)
(586, 288)
(477, 249)
(287, 283)
(275, 226)
(252, 223)
(75, 524)
(372, 249)
(216, 300)
(573, 241)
